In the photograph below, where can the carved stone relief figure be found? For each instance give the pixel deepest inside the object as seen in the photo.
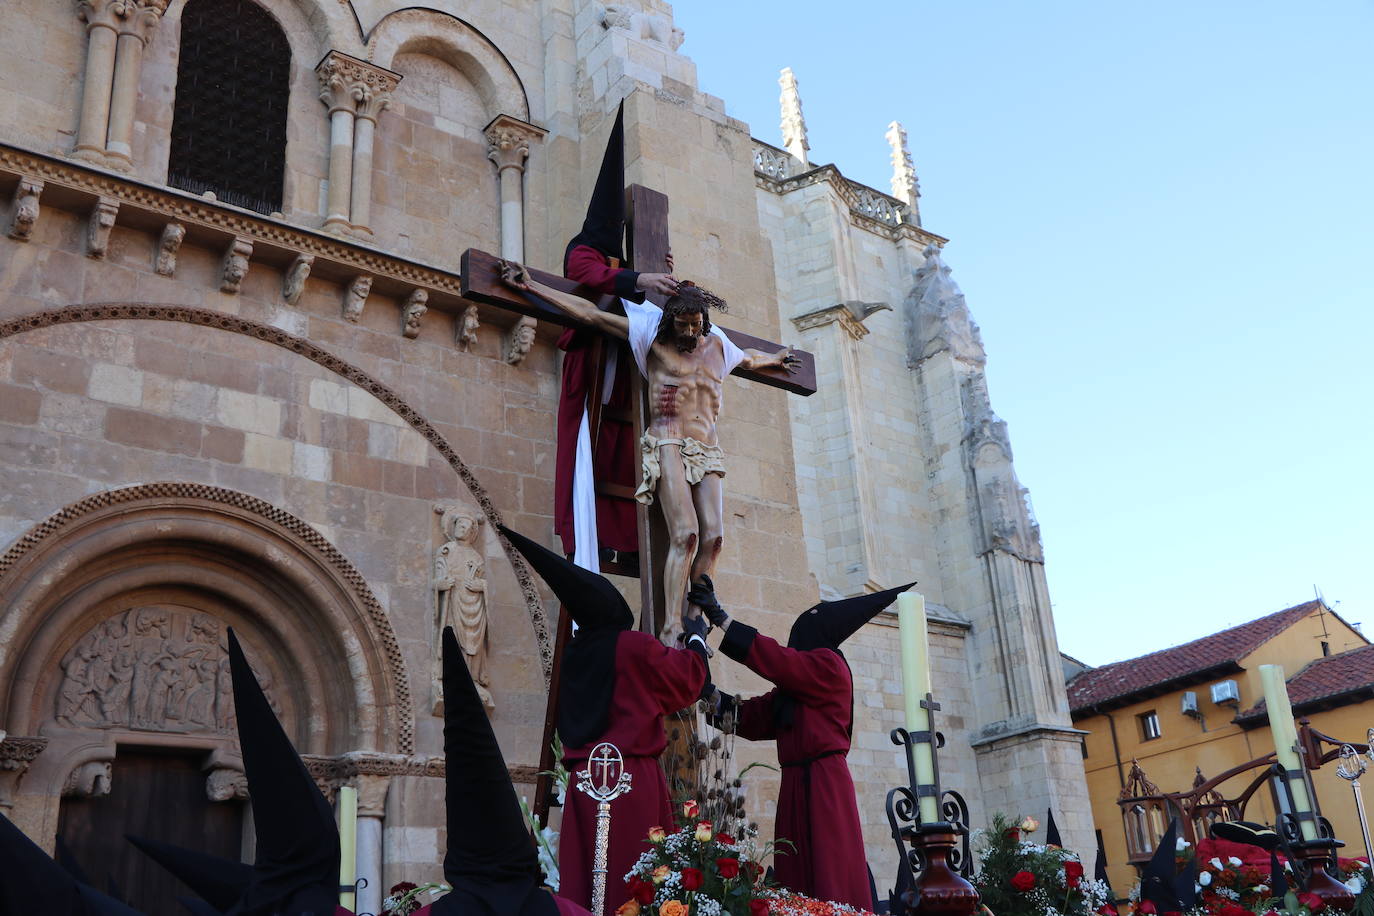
(521, 341)
(414, 310)
(235, 265)
(25, 208)
(465, 334)
(460, 586)
(296, 274)
(150, 668)
(91, 779)
(355, 297)
(102, 221)
(167, 247)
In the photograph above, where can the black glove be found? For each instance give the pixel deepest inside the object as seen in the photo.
(694, 626)
(703, 595)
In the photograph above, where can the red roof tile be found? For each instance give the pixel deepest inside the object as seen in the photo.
(1323, 680)
(1119, 681)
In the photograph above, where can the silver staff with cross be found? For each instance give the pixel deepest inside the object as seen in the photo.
(1351, 766)
(610, 782)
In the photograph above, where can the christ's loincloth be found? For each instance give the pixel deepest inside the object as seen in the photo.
(698, 460)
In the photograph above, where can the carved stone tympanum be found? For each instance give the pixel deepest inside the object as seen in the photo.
(151, 668)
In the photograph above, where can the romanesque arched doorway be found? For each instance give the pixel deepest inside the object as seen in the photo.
(114, 657)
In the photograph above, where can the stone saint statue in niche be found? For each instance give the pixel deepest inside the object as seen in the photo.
(460, 586)
(684, 361)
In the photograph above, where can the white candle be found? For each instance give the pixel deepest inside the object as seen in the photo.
(348, 845)
(911, 622)
(1285, 736)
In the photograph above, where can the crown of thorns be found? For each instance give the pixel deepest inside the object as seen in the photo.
(690, 295)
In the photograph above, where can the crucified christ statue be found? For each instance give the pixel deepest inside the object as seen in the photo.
(684, 361)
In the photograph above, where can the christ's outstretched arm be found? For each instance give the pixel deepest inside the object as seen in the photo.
(517, 277)
(783, 359)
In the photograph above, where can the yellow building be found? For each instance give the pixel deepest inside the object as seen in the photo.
(1165, 722)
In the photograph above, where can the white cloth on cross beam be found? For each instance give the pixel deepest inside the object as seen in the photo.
(644, 319)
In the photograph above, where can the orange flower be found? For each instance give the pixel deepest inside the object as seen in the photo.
(661, 874)
(628, 908)
(704, 832)
(672, 908)
(657, 835)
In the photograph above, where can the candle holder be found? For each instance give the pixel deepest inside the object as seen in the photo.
(1314, 859)
(933, 858)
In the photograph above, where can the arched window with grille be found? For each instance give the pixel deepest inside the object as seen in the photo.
(229, 120)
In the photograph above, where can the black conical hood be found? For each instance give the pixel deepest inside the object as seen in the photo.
(493, 869)
(830, 623)
(219, 881)
(1247, 832)
(1158, 883)
(31, 882)
(587, 676)
(296, 869)
(1052, 837)
(1100, 867)
(604, 226)
(591, 599)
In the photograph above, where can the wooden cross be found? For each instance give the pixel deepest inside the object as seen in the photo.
(648, 252)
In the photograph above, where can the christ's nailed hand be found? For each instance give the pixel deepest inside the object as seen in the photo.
(513, 274)
(788, 360)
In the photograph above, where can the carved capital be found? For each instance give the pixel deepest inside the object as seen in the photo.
(235, 266)
(102, 220)
(90, 779)
(138, 17)
(413, 311)
(355, 297)
(16, 754)
(293, 284)
(173, 234)
(355, 85)
(850, 315)
(226, 784)
(25, 208)
(100, 14)
(508, 141)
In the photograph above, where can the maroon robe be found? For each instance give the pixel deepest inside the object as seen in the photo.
(817, 809)
(651, 681)
(614, 457)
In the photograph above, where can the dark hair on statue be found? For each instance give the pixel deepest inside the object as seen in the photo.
(689, 298)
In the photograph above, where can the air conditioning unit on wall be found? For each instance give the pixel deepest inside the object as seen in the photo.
(1189, 704)
(1226, 693)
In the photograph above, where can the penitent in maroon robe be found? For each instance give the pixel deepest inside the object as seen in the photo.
(651, 680)
(615, 456)
(817, 810)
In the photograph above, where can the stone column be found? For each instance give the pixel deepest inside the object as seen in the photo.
(102, 30)
(508, 147)
(355, 92)
(374, 772)
(136, 24)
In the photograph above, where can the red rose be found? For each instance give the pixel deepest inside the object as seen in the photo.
(1023, 881)
(759, 908)
(641, 890)
(728, 868)
(691, 879)
(725, 838)
(1312, 902)
(1147, 907)
(1234, 909)
(1073, 873)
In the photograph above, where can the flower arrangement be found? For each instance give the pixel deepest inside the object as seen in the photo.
(1021, 878)
(696, 871)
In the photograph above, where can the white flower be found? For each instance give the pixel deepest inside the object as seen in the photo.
(1216, 863)
(1205, 878)
(1234, 862)
(1356, 884)
(1181, 844)
(1228, 893)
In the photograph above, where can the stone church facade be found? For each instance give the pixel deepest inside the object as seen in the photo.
(250, 395)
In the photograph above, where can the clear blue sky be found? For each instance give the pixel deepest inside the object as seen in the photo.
(1161, 217)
